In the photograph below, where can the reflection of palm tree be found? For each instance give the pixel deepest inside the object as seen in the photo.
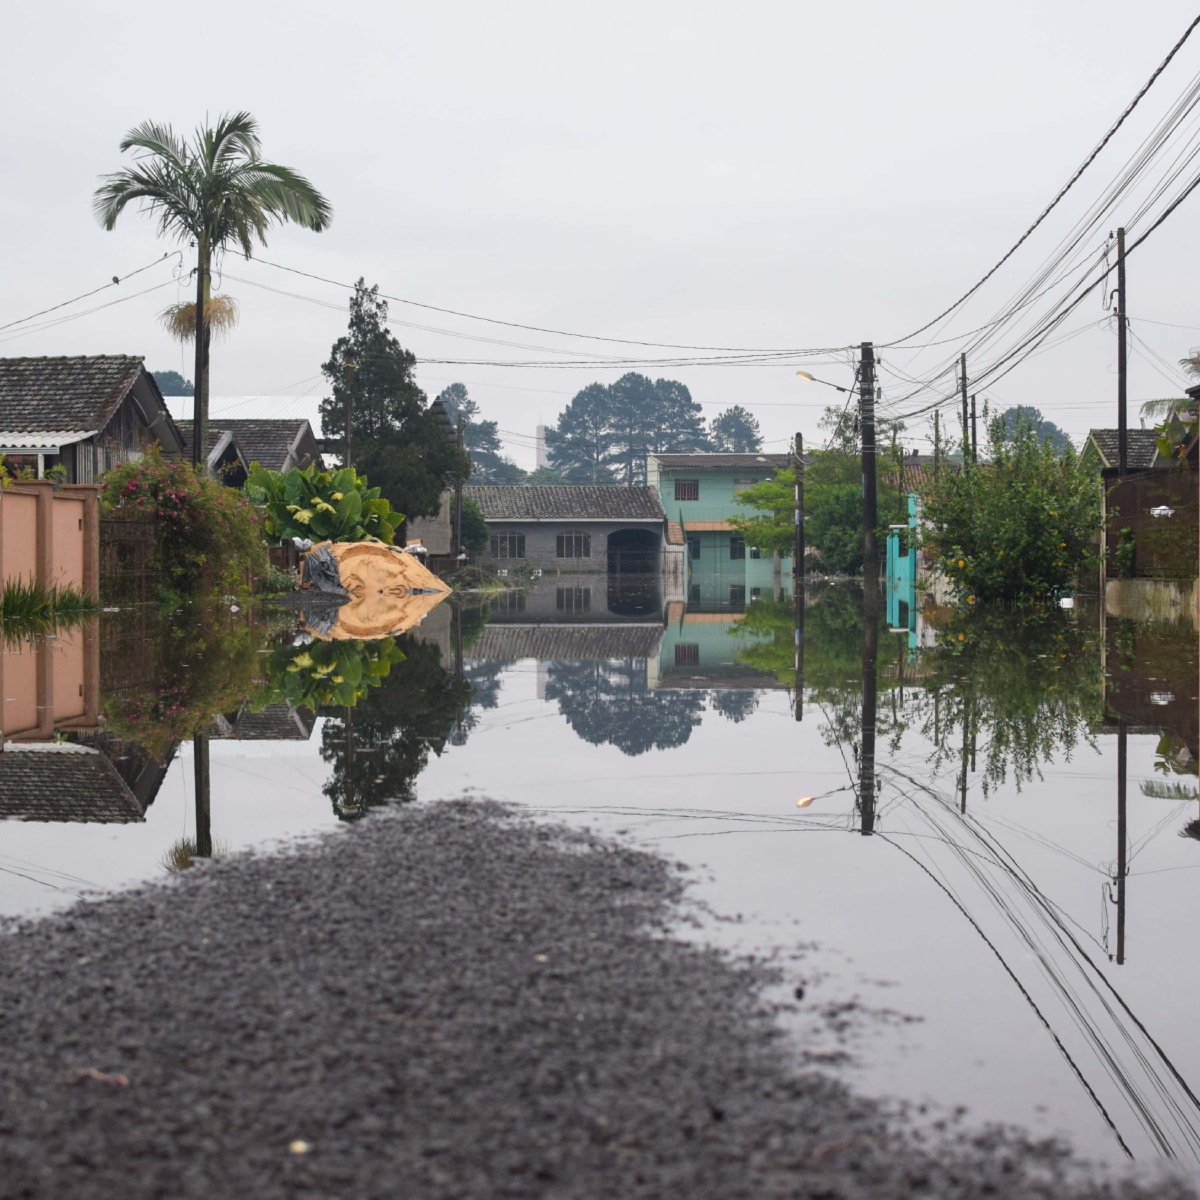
(216, 192)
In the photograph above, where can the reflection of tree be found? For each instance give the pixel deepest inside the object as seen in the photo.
(735, 706)
(1022, 687)
(609, 703)
(415, 709)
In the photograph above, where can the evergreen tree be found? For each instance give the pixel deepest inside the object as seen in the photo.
(580, 448)
(480, 438)
(735, 431)
(397, 442)
(1012, 419)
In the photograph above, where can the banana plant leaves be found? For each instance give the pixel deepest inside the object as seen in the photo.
(335, 506)
(333, 672)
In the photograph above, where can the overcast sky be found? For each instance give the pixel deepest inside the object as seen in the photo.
(759, 174)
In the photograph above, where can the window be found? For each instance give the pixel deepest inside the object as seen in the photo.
(755, 594)
(737, 594)
(693, 547)
(687, 652)
(687, 489)
(508, 545)
(755, 552)
(508, 602)
(743, 485)
(573, 599)
(574, 544)
(737, 547)
(694, 594)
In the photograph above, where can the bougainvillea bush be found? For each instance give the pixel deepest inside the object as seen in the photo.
(207, 535)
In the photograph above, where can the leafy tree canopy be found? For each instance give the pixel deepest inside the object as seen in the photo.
(735, 431)
(1016, 527)
(396, 440)
(606, 432)
(171, 383)
(1013, 419)
(474, 527)
(546, 477)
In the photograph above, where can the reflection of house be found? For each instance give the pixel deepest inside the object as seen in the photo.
(581, 600)
(85, 414)
(61, 781)
(698, 495)
(236, 444)
(273, 723)
(701, 650)
(578, 529)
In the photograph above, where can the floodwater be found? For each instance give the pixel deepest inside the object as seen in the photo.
(971, 838)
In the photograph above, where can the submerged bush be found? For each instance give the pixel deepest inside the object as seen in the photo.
(1017, 527)
(206, 535)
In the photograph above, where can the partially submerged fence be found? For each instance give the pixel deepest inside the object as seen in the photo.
(1152, 528)
(128, 574)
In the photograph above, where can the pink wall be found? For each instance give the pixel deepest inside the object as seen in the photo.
(50, 534)
(68, 541)
(18, 537)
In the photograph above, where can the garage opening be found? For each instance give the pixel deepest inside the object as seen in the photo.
(633, 552)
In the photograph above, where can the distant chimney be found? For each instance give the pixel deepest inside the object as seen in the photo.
(542, 460)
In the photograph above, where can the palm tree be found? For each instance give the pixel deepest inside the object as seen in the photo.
(216, 191)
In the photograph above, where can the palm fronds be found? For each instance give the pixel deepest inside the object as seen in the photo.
(1168, 789)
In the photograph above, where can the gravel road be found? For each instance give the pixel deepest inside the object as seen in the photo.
(450, 1001)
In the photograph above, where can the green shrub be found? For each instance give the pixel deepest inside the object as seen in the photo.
(474, 527)
(322, 506)
(1017, 527)
(206, 535)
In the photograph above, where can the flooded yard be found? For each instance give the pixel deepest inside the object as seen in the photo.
(996, 916)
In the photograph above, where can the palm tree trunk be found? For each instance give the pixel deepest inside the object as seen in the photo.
(200, 402)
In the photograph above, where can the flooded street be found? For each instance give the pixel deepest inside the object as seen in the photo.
(1001, 925)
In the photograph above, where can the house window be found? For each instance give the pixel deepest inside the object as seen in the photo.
(693, 547)
(509, 602)
(687, 653)
(737, 547)
(737, 594)
(755, 594)
(574, 544)
(694, 594)
(687, 489)
(508, 545)
(743, 485)
(573, 599)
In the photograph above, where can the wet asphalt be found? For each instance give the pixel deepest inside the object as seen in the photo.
(448, 1001)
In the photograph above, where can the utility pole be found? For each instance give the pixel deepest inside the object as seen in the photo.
(1122, 362)
(867, 412)
(200, 761)
(348, 367)
(963, 385)
(458, 482)
(798, 563)
(974, 433)
(937, 444)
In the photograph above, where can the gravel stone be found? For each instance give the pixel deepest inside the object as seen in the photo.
(447, 1001)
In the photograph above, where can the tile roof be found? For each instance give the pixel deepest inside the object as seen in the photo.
(1141, 447)
(511, 642)
(56, 782)
(274, 723)
(262, 440)
(722, 462)
(215, 433)
(38, 394)
(519, 502)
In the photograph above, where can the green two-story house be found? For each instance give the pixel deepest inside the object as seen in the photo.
(720, 571)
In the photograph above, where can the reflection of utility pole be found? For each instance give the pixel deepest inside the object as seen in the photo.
(962, 783)
(866, 766)
(203, 796)
(1122, 838)
(867, 411)
(798, 577)
(458, 661)
(348, 725)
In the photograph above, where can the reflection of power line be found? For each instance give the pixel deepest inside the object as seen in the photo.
(1180, 1110)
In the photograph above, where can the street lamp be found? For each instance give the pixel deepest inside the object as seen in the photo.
(813, 379)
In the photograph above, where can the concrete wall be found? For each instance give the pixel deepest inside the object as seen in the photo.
(435, 533)
(50, 535)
